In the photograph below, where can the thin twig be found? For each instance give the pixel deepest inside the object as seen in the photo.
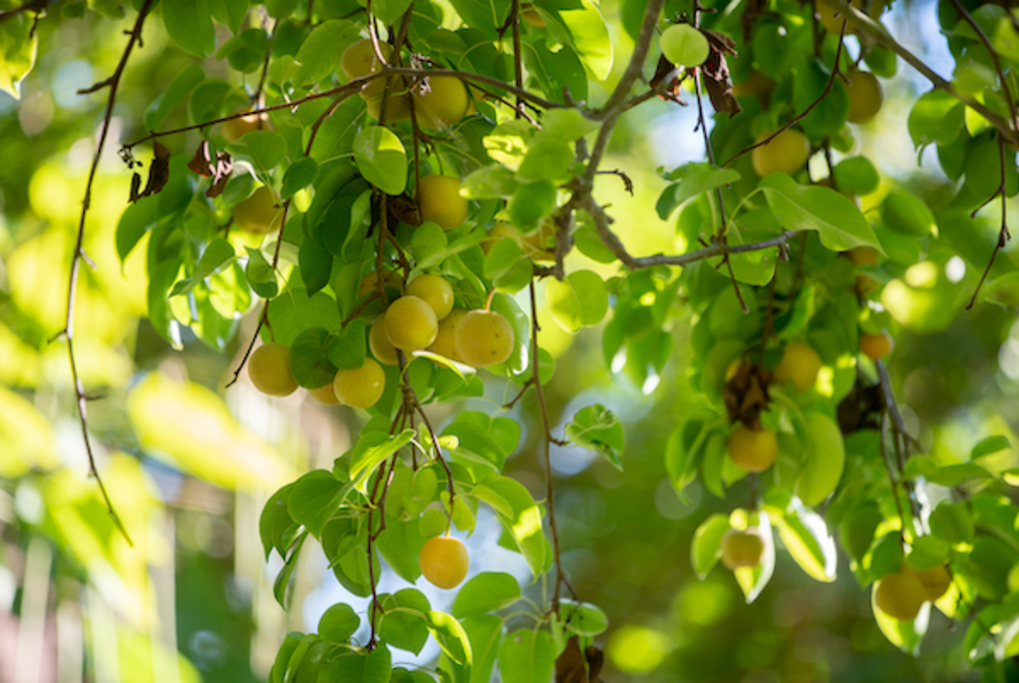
(1003, 234)
(518, 69)
(893, 482)
(32, 6)
(257, 96)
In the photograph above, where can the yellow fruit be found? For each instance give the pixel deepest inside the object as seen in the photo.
(876, 346)
(484, 338)
(831, 18)
(234, 129)
(540, 245)
(742, 548)
(899, 595)
(378, 342)
(326, 395)
(935, 581)
(444, 104)
(370, 281)
(411, 324)
(865, 96)
(864, 256)
(258, 214)
(754, 450)
(269, 370)
(444, 561)
(445, 340)
(786, 153)
(497, 233)
(800, 364)
(360, 60)
(397, 108)
(436, 292)
(360, 388)
(439, 201)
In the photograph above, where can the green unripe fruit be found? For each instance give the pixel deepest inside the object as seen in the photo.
(865, 96)
(683, 45)
(378, 342)
(269, 370)
(258, 214)
(900, 595)
(754, 450)
(360, 388)
(906, 213)
(742, 548)
(439, 201)
(436, 292)
(799, 365)
(411, 324)
(360, 60)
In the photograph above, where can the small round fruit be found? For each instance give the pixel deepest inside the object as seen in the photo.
(865, 97)
(756, 85)
(540, 245)
(411, 324)
(484, 338)
(800, 364)
(360, 60)
(445, 340)
(326, 395)
(258, 214)
(445, 103)
(899, 595)
(742, 548)
(269, 370)
(439, 201)
(360, 388)
(683, 45)
(864, 256)
(831, 18)
(435, 290)
(497, 233)
(378, 342)
(876, 346)
(234, 129)
(935, 581)
(786, 153)
(754, 450)
(397, 108)
(444, 561)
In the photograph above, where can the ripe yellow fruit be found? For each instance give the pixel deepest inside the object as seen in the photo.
(865, 96)
(831, 18)
(326, 395)
(446, 102)
(378, 342)
(935, 581)
(269, 370)
(742, 548)
(439, 201)
(411, 324)
(370, 281)
(360, 388)
(754, 450)
(786, 153)
(876, 346)
(258, 214)
(899, 595)
(397, 108)
(234, 129)
(484, 338)
(360, 60)
(800, 364)
(436, 292)
(445, 340)
(444, 561)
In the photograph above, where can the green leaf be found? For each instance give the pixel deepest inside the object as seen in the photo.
(590, 37)
(314, 499)
(806, 537)
(695, 179)
(508, 267)
(275, 522)
(381, 158)
(906, 213)
(952, 522)
(492, 438)
(182, 85)
(486, 592)
(362, 667)
(263, 148)
(451, 637)
(706, 548)
(245, 52)
(831, 112)
(927, 553)
(485, 634)
(583, 618)
(753, 580)
(281, 9)
(316, 265)
(936, 117)
(309, 359)
(531, 203)
(597, 428)
(405, 622)
(546, 159)
(189, 23)
(400, 546)
(839, 223)
(338, 623)
(1002, 291)
(990, 445)
(371, 450)
(319, 55)
(230, 13)
(260, 274)
(136, 220)
(390, 11)
(527, 657)
(295, 311)
(856, 176)
(347, 349)
(18, 51)
(519, 515)
(824, 460)
(565, 124)
(213, 258)
(580, 300)
(300, 174)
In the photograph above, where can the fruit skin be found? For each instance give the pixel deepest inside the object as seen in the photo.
(444, 104)
(234, 129)
(754, 450)
(397, 109)
(326, 395)
(435, 290)
(269, 370)
(445, 340)
(484, 338)
(378, 342)
(360, 388)
(800, 364)
(864, 256)
(832, 23)
(743, 548)
(444, 561)
(411, 324)
(899, 595)
(439, 201)
(370, 281)
(786, 153)
(258, 214)
(360, 60)
(865, 97)
(935, 581)
(876, 346)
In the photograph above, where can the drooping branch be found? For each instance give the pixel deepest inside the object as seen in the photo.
(135, 36)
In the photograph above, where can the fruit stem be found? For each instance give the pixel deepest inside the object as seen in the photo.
(488, 301)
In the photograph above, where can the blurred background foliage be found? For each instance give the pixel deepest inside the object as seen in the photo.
(189, 465)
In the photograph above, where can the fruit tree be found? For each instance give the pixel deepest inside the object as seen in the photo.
(509, 340)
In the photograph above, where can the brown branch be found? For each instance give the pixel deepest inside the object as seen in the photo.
(888, 400)
(257, 96)
(518, 68)
(37, 6)
(1003, 234)
(995, 59)
(893, 482)
(79, 255)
